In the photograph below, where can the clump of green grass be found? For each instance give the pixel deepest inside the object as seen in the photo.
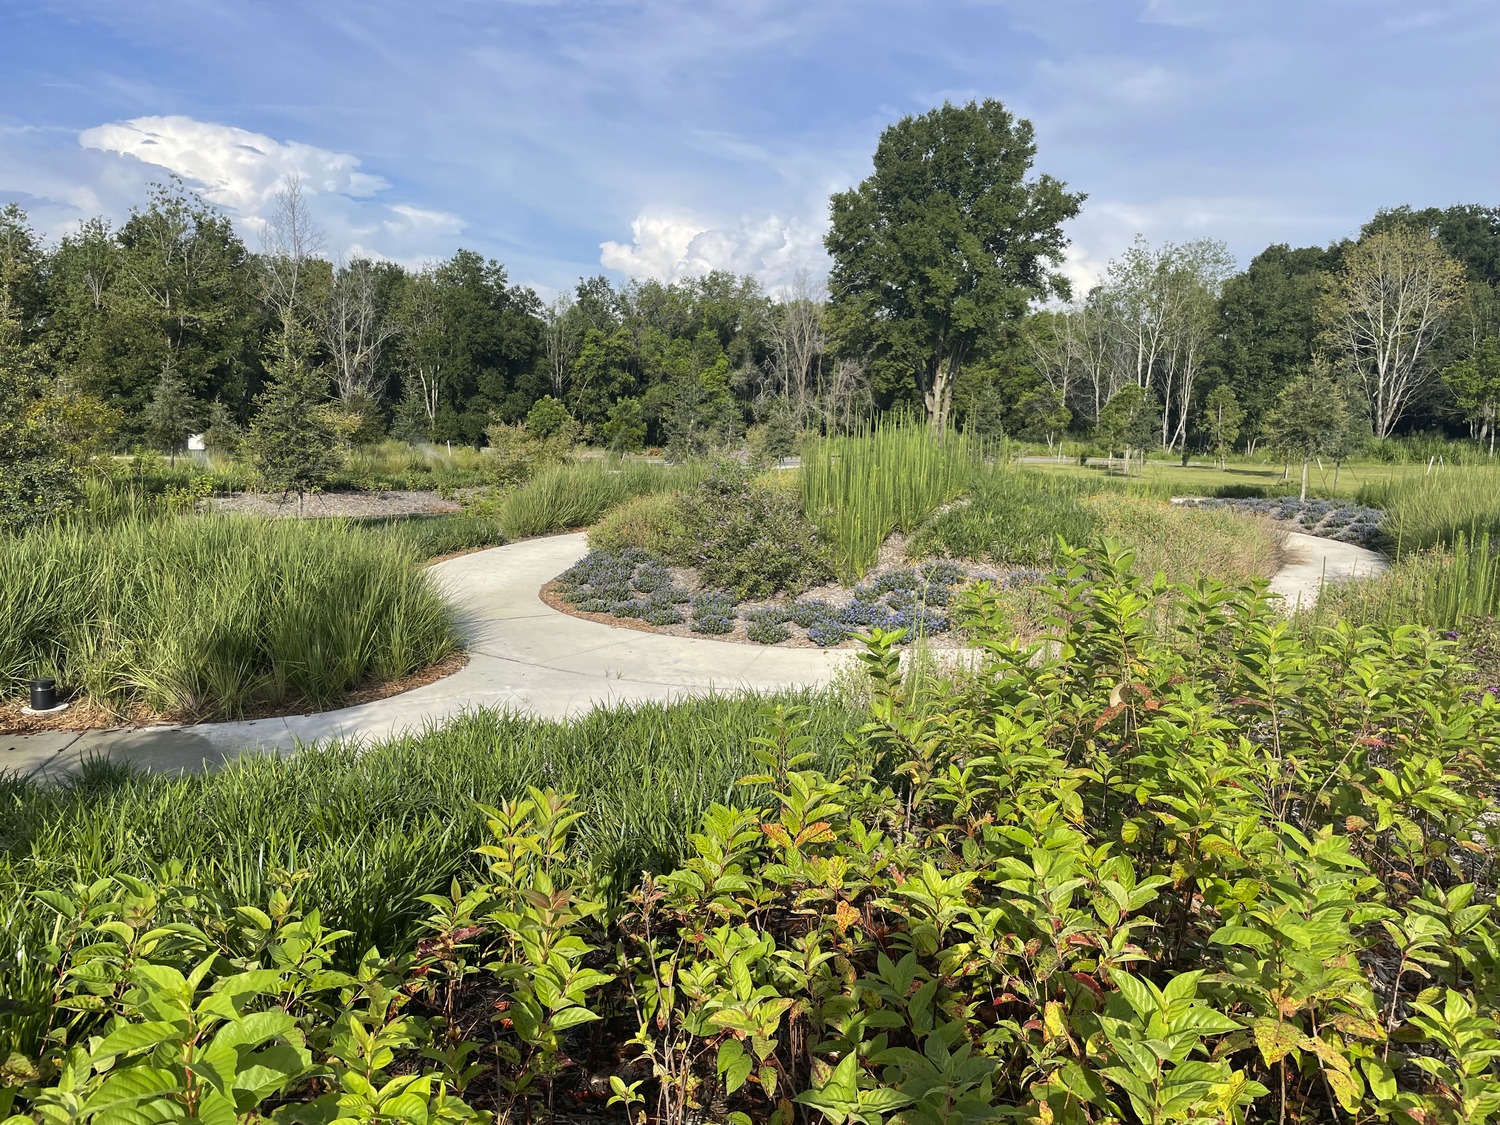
(860, 489)
(212, 616)
(359, 833)
(562, 497)
(1186, 542)
(1012, 516)
(1433, 509)
(1441, 587)
(434, 536)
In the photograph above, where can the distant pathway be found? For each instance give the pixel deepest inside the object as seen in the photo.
(526, 655)
(1312, 560)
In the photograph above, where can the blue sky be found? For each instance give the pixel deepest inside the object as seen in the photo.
(665, 137)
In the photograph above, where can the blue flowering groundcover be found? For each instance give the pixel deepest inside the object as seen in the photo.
(1342, 520)
(633, 584)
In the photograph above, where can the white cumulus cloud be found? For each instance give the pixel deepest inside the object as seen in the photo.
(241, 171)
(673, 245)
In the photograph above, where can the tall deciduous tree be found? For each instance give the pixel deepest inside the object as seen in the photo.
(1164, 308)
(1222, 416)
(797, 342)
(1269, 324)
(357, 327)
(1311, 417)
(291, 241)
(1384, 311)
(948, 239)
(1074, 349)
(182, 279)
(1475, 383)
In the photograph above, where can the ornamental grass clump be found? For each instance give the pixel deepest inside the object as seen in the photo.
(860, 489)
(213, 616)
(1432, 509)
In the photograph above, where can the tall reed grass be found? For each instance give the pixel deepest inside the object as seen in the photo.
(860, 489)
(1012, 516)
(211, 616)
(1442, 587)
(1430, 509)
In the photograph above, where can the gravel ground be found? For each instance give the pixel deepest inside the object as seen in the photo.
(348, 504)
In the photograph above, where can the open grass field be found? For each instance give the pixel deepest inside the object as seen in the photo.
(1166, 479)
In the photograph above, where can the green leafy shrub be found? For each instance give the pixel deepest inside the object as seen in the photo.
(747, 534)
(1232, 873)
(211, 616)
(517, 453)
(650, 523)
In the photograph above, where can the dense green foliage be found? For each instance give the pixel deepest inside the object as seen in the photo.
(859, 489)
(212, 616)
(360, 833)
(1009, 517)
(168, 324)
(748, 535)
(1227, 874)
(948, 240)
(290, 445)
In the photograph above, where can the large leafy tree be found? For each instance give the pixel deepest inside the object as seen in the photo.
(1475, 384)
(1312, 417)
(1268, 324)
(1467, 231)
(950, 238)
(46, 436)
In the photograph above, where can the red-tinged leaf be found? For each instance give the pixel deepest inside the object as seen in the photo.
(1090, 983)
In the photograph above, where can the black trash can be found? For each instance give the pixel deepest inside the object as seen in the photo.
(43, 694)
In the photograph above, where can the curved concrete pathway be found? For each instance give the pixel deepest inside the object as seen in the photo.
(522, 654)
(526, 655)
(1312, 560)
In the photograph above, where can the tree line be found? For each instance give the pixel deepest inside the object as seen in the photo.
(946, 297)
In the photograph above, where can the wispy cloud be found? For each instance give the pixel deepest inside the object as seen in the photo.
(242, 172)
